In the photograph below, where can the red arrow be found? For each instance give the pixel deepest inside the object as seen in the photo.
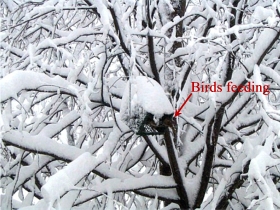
(178, 112)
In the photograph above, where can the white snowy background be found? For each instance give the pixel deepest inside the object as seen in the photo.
(78, 76)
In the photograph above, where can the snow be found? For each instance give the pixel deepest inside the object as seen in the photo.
(53, 129)
(139, 15)
(258, 81)
(257, 167)
(270, 73)
(267, 36)
(147, 94)
(146, 181)
(259, 172)
(261, 14)
(17, 81)
(116, 86)
(64, 180)
(41, 143)
(28, 171)
(40, 205)
(165, 9)
(92, 102)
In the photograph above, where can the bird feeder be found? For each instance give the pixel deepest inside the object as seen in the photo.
(148, 127)
(144, 106)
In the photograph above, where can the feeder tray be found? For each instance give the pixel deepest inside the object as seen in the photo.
(145, 127)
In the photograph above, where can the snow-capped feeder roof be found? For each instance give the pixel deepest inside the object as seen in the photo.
(144, 95)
